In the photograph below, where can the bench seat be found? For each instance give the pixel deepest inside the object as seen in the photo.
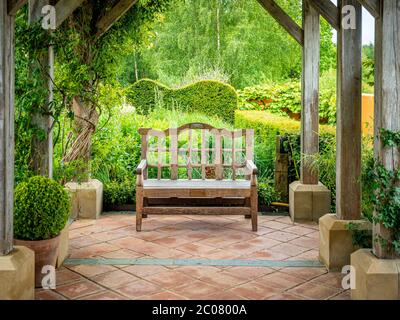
(220, 177)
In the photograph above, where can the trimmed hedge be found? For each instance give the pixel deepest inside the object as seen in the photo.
(212, 98)
(41, 209)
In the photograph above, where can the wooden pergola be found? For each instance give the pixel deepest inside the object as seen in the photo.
(349, 83)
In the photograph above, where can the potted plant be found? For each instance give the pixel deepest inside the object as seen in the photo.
(41, 211)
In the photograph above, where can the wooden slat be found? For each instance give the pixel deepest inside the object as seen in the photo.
(64, 8)
(387, 64)
(14, 6)
(6, 129)
(174, 153)
(189, 162)
(159, 157)
(195, 193)
(373, 6)
(348, 152)
(203, 153)
(283, 19)
(112, 16)
(327, 10)
(219, 169)
(233, 156)
(197, 210)
(310, 93)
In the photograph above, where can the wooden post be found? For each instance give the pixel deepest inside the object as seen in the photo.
(310, 92)
(348, 165)
(6, 129)
(387, 92)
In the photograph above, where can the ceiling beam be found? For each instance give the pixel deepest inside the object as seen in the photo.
(328, 11)
(64, 8)
(284, 20)
(113, 15)
(14, 5)
(373, 7)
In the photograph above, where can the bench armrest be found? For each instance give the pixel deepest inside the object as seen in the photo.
(141, 167)
(251, 167)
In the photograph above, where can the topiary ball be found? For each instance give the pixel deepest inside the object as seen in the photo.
(41, 209)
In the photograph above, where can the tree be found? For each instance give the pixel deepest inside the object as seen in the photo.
(235, 38)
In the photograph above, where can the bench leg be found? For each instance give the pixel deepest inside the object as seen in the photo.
(145, 204)
(139, 208)
(254, 208)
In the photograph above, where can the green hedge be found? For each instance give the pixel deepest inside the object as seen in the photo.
(212, 98)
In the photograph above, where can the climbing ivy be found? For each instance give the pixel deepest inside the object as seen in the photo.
(386, 190)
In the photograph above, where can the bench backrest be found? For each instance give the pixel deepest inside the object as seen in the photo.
(197, 151)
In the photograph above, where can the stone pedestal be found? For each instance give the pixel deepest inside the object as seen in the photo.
(336, 240)
(375, 279)
(308, 202)
(17, 275)
(87, 199)
(64, 246)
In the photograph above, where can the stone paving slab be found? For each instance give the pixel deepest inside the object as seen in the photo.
(113, 236)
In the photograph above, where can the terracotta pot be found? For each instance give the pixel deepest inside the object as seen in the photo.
(46, 253)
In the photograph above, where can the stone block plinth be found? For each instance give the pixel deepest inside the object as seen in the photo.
(87, 199)
(308, 202)
(64, 246)
(17, 275)
(375, 279)
(336, 240)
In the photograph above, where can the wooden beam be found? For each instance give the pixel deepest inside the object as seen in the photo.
(35, 9)
(373, 7)
(328, 11)
(387, 92)
(348, 152)
(14, 6)
(6, 129)
(106, 22)
(310, 93)
(64, 8)
(283, 19)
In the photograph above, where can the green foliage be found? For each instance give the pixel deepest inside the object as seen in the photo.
(385, 193)
(266, 192)
(267, 126)
(285, 99)
(41, 210)
(211, 98)
(236, 37)
(361, 238)
(119, 193)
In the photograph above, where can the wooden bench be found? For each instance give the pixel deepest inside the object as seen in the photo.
(196, 169)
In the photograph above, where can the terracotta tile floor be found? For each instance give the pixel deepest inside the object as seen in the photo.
(193, 237)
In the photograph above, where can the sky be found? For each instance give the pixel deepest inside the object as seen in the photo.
(368, 27)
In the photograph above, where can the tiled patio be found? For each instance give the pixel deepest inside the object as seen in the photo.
(194, 237)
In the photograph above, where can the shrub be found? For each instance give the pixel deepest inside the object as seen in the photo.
(212, 98)
(42, 208)
(266, 192)
(285, 98)
(267, 126)
(119, 193)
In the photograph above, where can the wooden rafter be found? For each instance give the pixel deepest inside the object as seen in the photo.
(327, 10)
(64, 8)
(14, 5)
(373, 7)
(284, 20)
(113, 15)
